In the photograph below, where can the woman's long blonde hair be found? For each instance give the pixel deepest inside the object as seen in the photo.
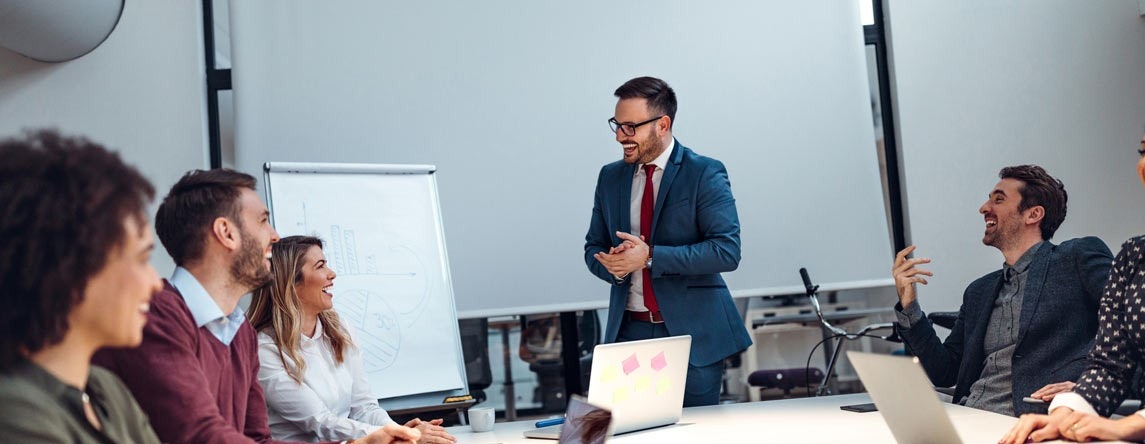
(276, 311)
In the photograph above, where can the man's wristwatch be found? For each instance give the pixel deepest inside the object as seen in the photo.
(648, 262)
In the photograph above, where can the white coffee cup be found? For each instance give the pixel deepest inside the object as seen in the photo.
(481, 418)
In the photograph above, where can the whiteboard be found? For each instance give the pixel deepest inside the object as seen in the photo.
(509, 99)
(381, 225)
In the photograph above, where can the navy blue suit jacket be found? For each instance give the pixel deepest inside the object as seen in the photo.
(1055, 331)
(695, 237)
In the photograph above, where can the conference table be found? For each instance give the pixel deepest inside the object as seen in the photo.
(803, 420)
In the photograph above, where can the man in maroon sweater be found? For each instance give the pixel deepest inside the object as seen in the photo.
(195, 375)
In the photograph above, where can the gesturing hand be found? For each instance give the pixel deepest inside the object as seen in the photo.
(625, 258)
(906, 274)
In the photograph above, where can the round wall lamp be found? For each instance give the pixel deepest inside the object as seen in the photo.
(57, 30)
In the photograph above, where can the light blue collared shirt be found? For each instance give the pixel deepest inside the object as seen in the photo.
(204, 309)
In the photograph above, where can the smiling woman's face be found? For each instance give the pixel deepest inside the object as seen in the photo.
(313, 290)
(116, 299)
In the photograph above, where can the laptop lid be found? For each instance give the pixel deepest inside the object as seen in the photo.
(641, 382)
(905, 397)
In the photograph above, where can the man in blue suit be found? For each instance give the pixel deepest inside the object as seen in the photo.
(664, 226)
(1024, 330)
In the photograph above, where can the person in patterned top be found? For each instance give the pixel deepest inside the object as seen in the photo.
(1082, 415)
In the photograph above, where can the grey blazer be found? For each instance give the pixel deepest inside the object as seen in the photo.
(1056, 328)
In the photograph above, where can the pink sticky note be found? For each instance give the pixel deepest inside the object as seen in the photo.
(630, 365)
(659, 362)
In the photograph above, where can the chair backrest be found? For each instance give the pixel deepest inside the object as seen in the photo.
(475, 349)
(589, 330)
(540, 338)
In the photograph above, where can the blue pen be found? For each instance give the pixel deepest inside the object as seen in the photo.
(549, 422)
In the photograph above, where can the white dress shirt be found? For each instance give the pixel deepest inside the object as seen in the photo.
(636, 290)
(1077, 403)
(333, 402)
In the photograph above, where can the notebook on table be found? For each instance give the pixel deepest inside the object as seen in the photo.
(640, 382)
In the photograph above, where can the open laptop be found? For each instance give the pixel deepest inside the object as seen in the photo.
(640, 382)
(905, 397)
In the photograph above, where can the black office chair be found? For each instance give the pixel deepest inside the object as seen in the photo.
(944, 319)
(541, 348)
(475, 350)
(786, 379)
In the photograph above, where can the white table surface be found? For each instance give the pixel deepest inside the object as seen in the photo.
(803, 420)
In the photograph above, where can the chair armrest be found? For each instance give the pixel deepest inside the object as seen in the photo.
(944, 319)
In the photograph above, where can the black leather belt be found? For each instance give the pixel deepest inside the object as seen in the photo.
(646, 316)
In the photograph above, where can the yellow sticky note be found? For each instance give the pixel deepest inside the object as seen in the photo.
(662, 386)
(643, 383)
(609, 374)
(620, 395)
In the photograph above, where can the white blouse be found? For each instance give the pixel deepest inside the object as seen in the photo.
(333, 402)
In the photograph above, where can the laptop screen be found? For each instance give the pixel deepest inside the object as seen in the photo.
(640, 382)
(585, 423)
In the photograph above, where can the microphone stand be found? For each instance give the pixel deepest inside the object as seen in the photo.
(841, 335)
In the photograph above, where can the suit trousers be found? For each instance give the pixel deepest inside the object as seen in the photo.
(703, 384)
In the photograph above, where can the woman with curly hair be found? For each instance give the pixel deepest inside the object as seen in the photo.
(75, 251)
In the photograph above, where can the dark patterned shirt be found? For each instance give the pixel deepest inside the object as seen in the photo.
(1119, 348)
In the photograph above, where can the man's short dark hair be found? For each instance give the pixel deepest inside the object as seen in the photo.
(661, 99)
(184, 218)
(1039, 188)
(63, 203)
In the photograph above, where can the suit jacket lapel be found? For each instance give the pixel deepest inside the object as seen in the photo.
(666, 180)
(1035, 282)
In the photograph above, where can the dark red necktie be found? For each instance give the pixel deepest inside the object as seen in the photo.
(646, 206)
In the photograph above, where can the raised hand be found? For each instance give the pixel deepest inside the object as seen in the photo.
(907, 274)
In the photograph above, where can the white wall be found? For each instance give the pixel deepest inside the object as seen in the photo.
(512, 108)
(141, 92)
(982, 84)
(979, 85)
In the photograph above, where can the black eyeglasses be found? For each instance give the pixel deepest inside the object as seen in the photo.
(629, 129)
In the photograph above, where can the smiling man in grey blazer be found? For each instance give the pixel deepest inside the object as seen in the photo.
(664, 226)
(1024, 330)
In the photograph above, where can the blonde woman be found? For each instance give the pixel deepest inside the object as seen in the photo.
(311, 371)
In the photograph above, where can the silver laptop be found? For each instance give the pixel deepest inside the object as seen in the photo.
(640, 382)
(905, 397)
